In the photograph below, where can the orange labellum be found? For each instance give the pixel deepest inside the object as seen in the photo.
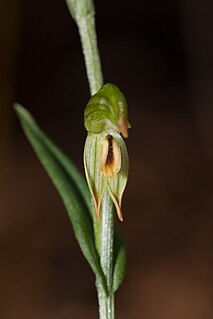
(110, 157)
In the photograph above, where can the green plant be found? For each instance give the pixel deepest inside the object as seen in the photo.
(91, 210)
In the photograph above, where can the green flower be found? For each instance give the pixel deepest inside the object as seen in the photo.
(106, 160)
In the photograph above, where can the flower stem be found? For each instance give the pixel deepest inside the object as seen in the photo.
(87, 33)
(106, 302)
(83, 13)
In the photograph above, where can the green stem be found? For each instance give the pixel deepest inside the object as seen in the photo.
(106, 302)
(86, 26)
(83, 13)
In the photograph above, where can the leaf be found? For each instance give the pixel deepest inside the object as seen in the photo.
(70, 185)
(119, 261)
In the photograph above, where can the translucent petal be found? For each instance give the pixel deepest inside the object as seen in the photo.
(106, 163)
(117, 184)
(94, 176)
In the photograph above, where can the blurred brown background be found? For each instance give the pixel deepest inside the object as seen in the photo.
(160, 54)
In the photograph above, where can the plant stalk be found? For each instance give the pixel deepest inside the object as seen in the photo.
(106, 302)
(83, 13)
(86, 26)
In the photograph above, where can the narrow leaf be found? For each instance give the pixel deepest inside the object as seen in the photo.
(119, 261)
(70, 185)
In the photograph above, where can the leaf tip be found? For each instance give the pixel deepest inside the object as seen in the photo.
(20, 110)
(17, 107)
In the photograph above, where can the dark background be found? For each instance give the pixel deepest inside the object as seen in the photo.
(160, 54)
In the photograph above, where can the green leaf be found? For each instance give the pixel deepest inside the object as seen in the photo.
(71, 187)
(119, 261)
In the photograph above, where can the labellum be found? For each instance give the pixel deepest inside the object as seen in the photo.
(110, 159)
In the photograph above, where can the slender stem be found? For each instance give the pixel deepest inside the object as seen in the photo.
(83, 13)
(87, 33)
(106, 303)
(107, 228)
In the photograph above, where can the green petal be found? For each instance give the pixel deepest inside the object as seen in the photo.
(94, 177)
(117, 184)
